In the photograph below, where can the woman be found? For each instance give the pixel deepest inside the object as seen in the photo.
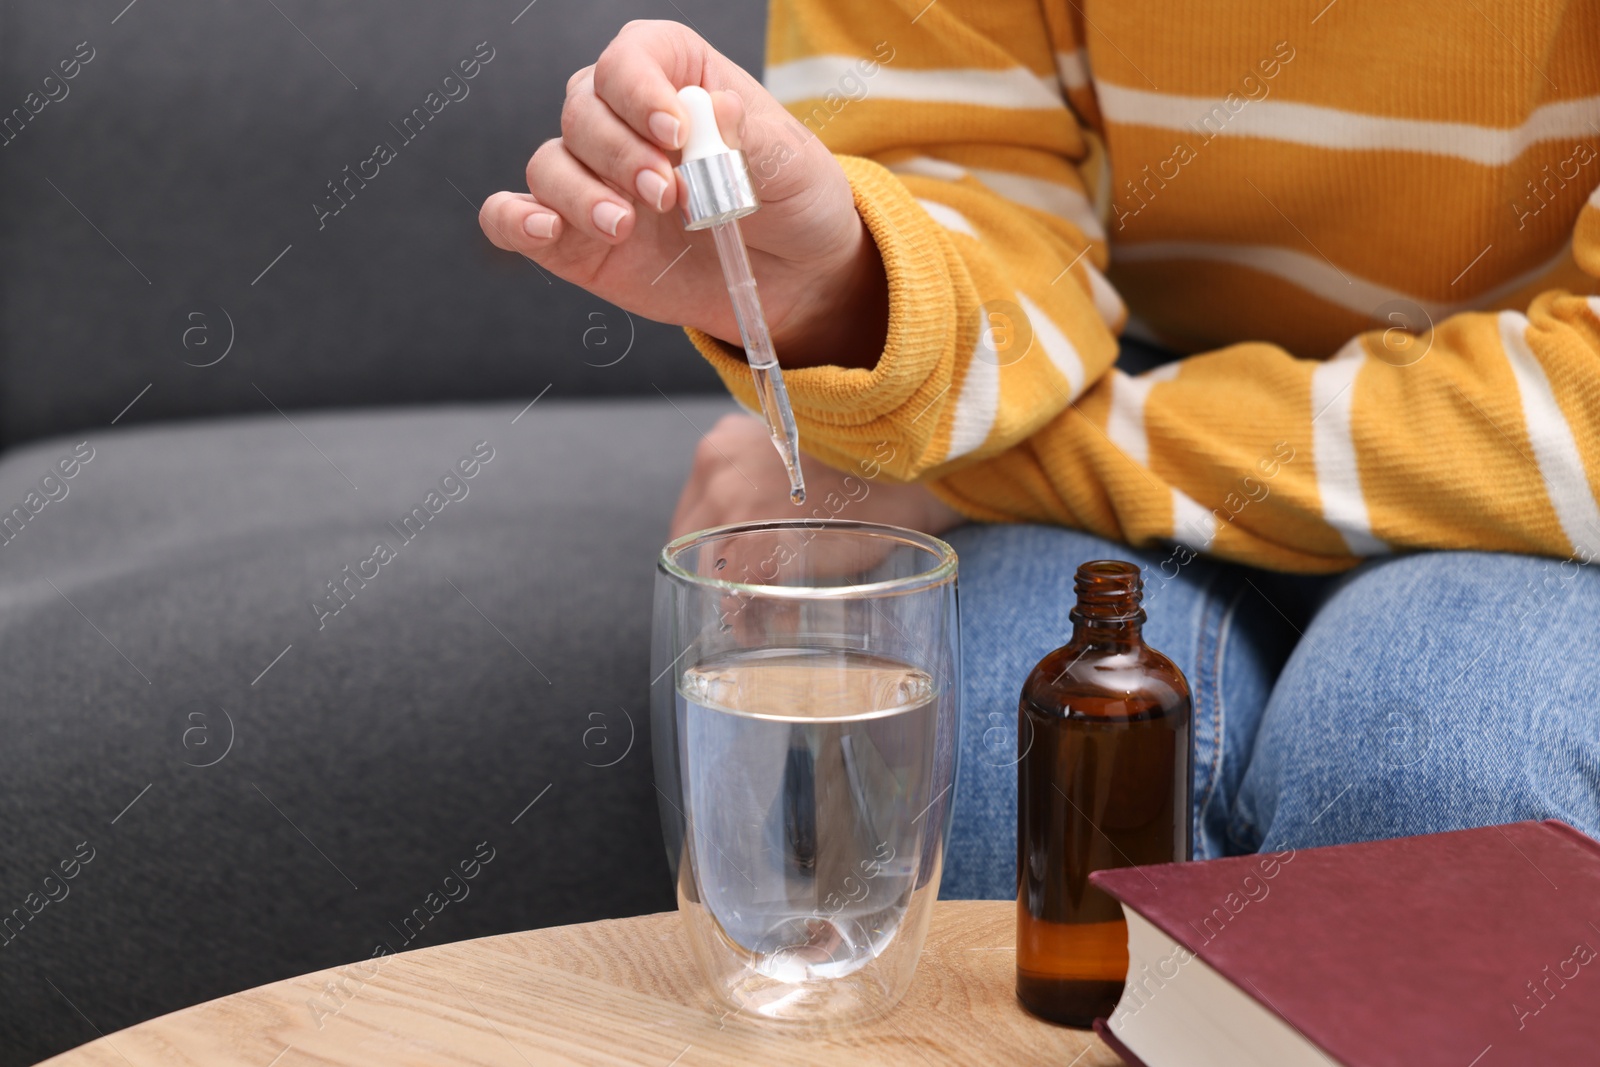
(1364, 495)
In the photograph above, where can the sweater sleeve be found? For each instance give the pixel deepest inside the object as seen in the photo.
(976, 178)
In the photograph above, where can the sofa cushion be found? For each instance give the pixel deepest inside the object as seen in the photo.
(267, 778)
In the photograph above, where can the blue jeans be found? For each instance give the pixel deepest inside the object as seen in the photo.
(1415, 694)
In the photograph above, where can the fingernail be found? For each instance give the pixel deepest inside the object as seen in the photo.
(608, 216)
(664, 128)
(539, 224)
(651, 186)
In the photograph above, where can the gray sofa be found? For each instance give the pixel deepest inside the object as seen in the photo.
(241, 348)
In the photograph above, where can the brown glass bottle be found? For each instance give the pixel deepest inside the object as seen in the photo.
(1103, 782)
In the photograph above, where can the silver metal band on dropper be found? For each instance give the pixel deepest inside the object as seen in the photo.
(719, 190)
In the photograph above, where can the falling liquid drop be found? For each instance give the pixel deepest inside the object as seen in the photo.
(721, 563)
(797, 497)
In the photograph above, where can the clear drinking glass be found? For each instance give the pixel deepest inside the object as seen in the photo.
(804, 715)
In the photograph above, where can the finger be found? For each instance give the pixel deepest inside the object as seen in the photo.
(517, 222)
(734, 476)
(639, 73)
(697, 518)
(605, 144)
(689, 503)
(587, 204)
(700, 504)
(729, 109)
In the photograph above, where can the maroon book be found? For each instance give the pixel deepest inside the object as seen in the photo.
(1477, 948)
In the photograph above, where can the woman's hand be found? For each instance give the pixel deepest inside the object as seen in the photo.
(602, 200)
(738, 477)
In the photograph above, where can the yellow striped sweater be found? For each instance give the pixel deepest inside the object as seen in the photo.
(1373, 227)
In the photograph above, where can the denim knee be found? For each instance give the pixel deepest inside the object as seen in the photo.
(1433, 692)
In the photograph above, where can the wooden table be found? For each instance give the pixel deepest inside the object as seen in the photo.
(622, 991)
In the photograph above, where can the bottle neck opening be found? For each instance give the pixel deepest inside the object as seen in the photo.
(1109, 608)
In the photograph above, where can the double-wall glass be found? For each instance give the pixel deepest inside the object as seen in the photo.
(805, 709)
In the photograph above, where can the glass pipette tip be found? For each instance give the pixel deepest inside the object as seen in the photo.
(770, 391)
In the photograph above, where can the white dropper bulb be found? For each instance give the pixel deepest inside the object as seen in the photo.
(704, 138)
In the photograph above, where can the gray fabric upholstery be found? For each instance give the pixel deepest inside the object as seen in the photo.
(187, 155)
(162, 258)
(498, 658)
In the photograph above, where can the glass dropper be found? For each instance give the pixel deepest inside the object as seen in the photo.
(719, 193)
